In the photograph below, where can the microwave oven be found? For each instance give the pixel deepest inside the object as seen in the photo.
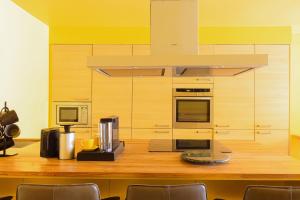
(71, 113)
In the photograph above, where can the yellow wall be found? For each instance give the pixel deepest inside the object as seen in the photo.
(24, 67)
(138, 35)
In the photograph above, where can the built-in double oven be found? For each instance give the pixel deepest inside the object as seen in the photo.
(193, 107)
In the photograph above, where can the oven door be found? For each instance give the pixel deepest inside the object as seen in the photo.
(192, 112)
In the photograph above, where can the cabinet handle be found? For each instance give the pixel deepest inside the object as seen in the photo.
(263, 133)
(203, 79)
(201, 132)
(222, 126)
(161, 131)
(222, 132)
(263, 126)
(161, 125)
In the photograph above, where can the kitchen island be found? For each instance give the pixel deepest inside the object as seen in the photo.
(250, 164)
(248, 161)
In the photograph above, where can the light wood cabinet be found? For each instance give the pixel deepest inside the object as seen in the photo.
(226, 134)
(124, 133)
(152, 134)
(80, 133)
(272, 88)
(275, 141)
(152, 102)
(111, 95)
(112, 50)
(192, 134)
(206, 49)
(152, 98)
(192, 80)
(234, 95)
(202, 50)
(71, 78)
(141, 50)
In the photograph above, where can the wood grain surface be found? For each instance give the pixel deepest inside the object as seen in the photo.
(249, 161)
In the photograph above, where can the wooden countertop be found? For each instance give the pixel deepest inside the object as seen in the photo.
(249, 161)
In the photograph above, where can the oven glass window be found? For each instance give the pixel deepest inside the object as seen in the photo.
(193, 144)
(68, 114)
(193, 110)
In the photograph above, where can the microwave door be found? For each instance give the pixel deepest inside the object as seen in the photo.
(68, 115)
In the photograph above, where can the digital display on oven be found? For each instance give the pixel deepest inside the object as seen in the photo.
(193, 110)
(193, 144)
(68, 114)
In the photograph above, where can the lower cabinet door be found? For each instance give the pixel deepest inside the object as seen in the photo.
(124, 133)
(234, 135)
(192, 134)
(80, 133)
(275, 141)
(152, 134)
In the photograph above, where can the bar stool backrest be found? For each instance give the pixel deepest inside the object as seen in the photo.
(166, 192)
(58, 192)
(272, 193)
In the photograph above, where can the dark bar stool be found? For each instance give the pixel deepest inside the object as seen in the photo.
(58, 192)
(6, 198)
(167, 192)
(272, 193)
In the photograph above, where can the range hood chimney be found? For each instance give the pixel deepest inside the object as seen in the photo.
(174, 27)
(174, 46)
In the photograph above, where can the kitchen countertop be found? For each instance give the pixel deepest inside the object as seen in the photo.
(249, 161)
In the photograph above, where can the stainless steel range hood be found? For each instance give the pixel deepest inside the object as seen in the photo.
(174, 47)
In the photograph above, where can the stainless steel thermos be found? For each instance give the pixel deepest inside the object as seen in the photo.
(109, 133)
(67, 144)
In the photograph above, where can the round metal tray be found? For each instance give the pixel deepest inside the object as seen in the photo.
(200, 157)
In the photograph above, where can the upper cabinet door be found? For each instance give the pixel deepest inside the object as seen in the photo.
(141, 50)
(272, 88)
(152, 98)
(112, 95)
(112, 50)
(152, 102)
(234, 96)
(71, 78)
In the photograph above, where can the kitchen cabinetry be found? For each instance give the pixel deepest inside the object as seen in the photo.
(152, 99)
(272, 88)
(152, 102)
(275, 141)
(234, 95)
(272, 99)
(71, 78)
(111, 95)
(141, 50)
(192, 134)
(226, 134)
(124, 133)
(202, 50)
(80, 133)
(112, 50)
(152, 134)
